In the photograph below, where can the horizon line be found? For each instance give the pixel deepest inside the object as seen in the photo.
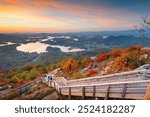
(66, 31)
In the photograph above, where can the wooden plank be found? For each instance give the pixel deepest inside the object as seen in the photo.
(137, 88)
(107, 93)
(83, 93)
(134, 96)
(120, 90)
(77, 94)
(94, 92)
(115, 95)
(89, 95)
(137, 85)
(111, 95)
(124, 91)
(147, 93)
(69, 93)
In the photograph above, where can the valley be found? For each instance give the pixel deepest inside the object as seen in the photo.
(44, 48)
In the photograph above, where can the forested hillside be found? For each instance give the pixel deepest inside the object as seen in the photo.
(114, 61)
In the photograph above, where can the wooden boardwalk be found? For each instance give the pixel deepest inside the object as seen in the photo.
(126, 85)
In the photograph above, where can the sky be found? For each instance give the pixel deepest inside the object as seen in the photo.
(71, 15)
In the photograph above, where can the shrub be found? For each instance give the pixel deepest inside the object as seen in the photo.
(14, 79)
(132, 63)
(76, 75)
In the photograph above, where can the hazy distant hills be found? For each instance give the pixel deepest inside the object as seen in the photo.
(125, 41)
(62, 45)
(121, 32)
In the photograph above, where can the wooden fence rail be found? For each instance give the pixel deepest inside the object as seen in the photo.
(19, 90)
(123, 76)
(121, 90)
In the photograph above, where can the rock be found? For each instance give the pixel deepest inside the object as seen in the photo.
(146, 66)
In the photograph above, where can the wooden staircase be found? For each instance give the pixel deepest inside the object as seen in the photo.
(126, 85)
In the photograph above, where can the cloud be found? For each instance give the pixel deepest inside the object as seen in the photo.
(56, 15)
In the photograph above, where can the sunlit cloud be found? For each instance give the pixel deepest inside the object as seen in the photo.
(59, 16)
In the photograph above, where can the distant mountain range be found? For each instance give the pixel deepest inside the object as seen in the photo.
(47, 48)
(121, 32)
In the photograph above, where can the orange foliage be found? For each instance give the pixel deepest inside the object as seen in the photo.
(87, 61)
(139, 46)
(71, 64)
(135, 47)
(120, 63)
(114, 53)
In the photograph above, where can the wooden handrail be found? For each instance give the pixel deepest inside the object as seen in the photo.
(124, 92)
(103, 84)
(111, 75)
(18, 88)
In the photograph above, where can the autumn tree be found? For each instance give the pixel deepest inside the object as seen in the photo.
(87, 61)
(102, 56)
(71, 64)
(119, 63)
(33, 74)
(115, 52)
(42, 70)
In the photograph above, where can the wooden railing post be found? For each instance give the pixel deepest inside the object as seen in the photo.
(107, 93)
(94, 92)
(147, 93)
(83, 93)
(124, 91)
(69, 93)
(54, 84)
(50, 83)
(60, 91)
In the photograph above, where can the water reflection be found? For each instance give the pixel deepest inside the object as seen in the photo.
(41, 47)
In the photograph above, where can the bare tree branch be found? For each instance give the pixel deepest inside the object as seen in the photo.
(144, 26)
(146, 20)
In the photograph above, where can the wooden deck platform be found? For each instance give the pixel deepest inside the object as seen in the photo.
(127, 85)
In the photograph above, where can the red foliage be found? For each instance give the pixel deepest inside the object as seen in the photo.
(114, 53)
(91, 72)
(4, 81)
(101, 57)
(97, 60)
